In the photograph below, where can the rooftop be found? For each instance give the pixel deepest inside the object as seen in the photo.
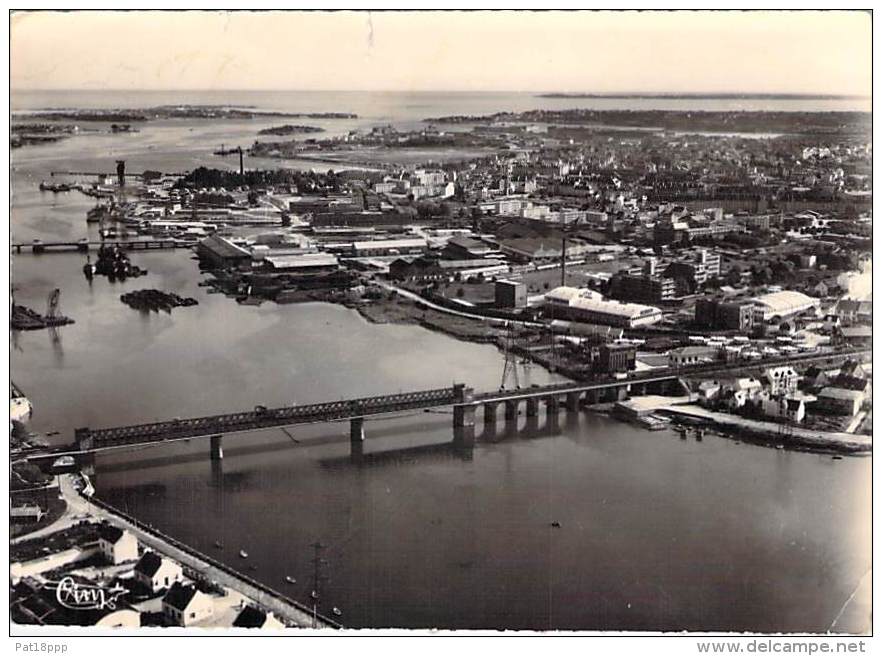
(179, 596)
(302, 260)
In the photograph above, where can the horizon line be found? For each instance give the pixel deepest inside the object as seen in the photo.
(595, 94)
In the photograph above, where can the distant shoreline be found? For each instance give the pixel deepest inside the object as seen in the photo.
(706, 96)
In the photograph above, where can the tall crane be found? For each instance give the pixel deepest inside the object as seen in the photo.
(52, 304)
(510, 367)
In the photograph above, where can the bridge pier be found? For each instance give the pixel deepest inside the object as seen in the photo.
(356, 430)
(552, 405)
(83, 439)
(532, 406)
(592, 396)
(511, 410)
(217, 447)
(572, 401)
(490, 413)
(464, 425)
(356, 451)
(463, 416)
(621, 393)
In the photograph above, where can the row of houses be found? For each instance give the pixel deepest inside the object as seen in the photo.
(776, 393)
(155, 585)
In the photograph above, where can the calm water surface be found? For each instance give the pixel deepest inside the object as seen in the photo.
(656, 533)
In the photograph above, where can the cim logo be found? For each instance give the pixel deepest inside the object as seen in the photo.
(79, 596)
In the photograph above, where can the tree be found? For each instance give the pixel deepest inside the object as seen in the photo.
(733, 276)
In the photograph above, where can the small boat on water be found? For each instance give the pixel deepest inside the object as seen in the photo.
(289, 579)
(243, 554)
(337, 611)
(218, 545)
(837, 457)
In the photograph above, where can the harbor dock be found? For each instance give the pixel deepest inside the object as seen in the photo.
(84, 245)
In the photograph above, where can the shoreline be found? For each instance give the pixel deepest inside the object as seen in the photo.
(80, 505)
(754, 431)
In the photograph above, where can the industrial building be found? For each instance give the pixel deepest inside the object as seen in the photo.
(302, 263)
(782, 304)
(387, 247)
(586, 305)
(510, 294)
(616, 358)
(715, 314)
(222, 253)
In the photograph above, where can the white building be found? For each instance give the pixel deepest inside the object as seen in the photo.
(157, 573)
(589, 306)
(784, 407)
(184, 605)
(783, 304)
(388, 247)
(251, 617)
(782, 380)
(116, 545)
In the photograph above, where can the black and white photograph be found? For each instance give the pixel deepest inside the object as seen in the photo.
(464, 323)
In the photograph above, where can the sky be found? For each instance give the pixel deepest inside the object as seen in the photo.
(601, 52)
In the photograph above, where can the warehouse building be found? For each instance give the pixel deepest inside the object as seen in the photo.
(782, 305)
(387, 247)
(588, 306)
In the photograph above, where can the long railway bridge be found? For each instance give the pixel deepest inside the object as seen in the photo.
(464, 401)
(462, 398)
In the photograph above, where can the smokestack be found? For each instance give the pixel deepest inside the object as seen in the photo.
(121, 172)
(563, 261)
(241, 163)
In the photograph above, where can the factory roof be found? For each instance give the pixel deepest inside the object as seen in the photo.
(301, 260)
(786, 301)
(591, 301)
(388, 243)
(629, 310)
(567, 294)
(223, 247)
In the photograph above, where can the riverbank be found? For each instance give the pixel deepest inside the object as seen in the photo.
(81, 508)
(407, 312)
(756, 431)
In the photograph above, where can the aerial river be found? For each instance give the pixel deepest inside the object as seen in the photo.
(655, 532)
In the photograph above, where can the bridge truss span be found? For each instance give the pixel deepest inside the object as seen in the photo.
(262, 418)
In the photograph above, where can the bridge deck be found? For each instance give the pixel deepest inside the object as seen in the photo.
(88, 439)
(272, 417)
